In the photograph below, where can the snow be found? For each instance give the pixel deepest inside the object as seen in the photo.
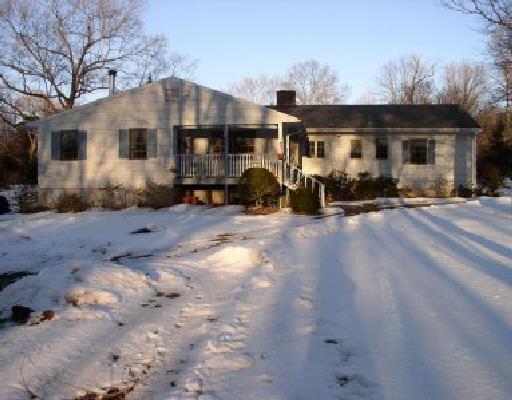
(214, 304)
(401, 201)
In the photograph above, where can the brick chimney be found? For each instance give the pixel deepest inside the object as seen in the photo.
(286, 98)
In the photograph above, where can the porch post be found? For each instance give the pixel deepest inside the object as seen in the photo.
(226, 162)
(282, 149)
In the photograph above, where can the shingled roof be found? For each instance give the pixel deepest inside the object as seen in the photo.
(380, 116)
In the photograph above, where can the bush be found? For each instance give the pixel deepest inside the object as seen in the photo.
(70, 202)
(111, 199)
(27, 200)
(157, 196)
(31, 208)
(304, 201)
(4, 205)
(491, 179)
(339, 186)
(439, 188)
(468, 191)
(368, 188)
(258, 187)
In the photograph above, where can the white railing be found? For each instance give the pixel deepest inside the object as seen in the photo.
(213, 165)
(294, 177)
(200, 165)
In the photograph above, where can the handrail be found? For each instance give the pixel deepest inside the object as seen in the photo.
(294, 176)
(213, 165)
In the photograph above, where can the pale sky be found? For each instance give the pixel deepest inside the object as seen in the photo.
(232, 39)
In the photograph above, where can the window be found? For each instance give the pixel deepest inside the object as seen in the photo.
(316, 149)
(356, 148)
(244, 145)
(215, 145)
(320, 149)
(68, 145)
(419, 151)
(138, 144)
(381, 148)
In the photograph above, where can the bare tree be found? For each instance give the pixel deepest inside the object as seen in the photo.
(56, 51)
(500, 50)
(314, 83)
(368, 97)
(465, 84)
(492, 12)
(261, 90)
(496, 16)
(408, 80)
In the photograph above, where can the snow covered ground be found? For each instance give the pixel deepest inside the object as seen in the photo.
(208, 303)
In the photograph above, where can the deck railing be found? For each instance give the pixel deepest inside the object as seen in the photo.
(212, 165)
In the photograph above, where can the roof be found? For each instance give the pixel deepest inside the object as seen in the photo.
(161, 82)
(382, 116)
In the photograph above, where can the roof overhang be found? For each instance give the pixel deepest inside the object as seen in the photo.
(326, 131)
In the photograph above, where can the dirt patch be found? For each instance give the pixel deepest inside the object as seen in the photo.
(359, 209)
(141, 230)
(9, 278)
(129, 256)
(261, 211)
(169, 295)
(113, 393)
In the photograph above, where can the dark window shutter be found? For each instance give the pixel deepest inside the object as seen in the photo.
(311, 149)
(124, 143)
(82, 145)
(405, 152)
(431, 152)
(55, 145)
(152, 143)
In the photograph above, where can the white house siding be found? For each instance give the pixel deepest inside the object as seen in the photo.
(454, 158)
(144, 107)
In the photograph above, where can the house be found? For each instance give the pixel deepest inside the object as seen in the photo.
(186, 135)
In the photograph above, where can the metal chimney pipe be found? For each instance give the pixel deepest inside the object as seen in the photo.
(112, 73)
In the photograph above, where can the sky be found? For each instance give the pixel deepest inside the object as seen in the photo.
(232, 39)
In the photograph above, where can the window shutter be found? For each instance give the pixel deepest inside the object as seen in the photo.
(311, 149)
(152, 143)
(55, 145)
(82, 145)
(431, 152)
(124, 143)
(405, 152)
